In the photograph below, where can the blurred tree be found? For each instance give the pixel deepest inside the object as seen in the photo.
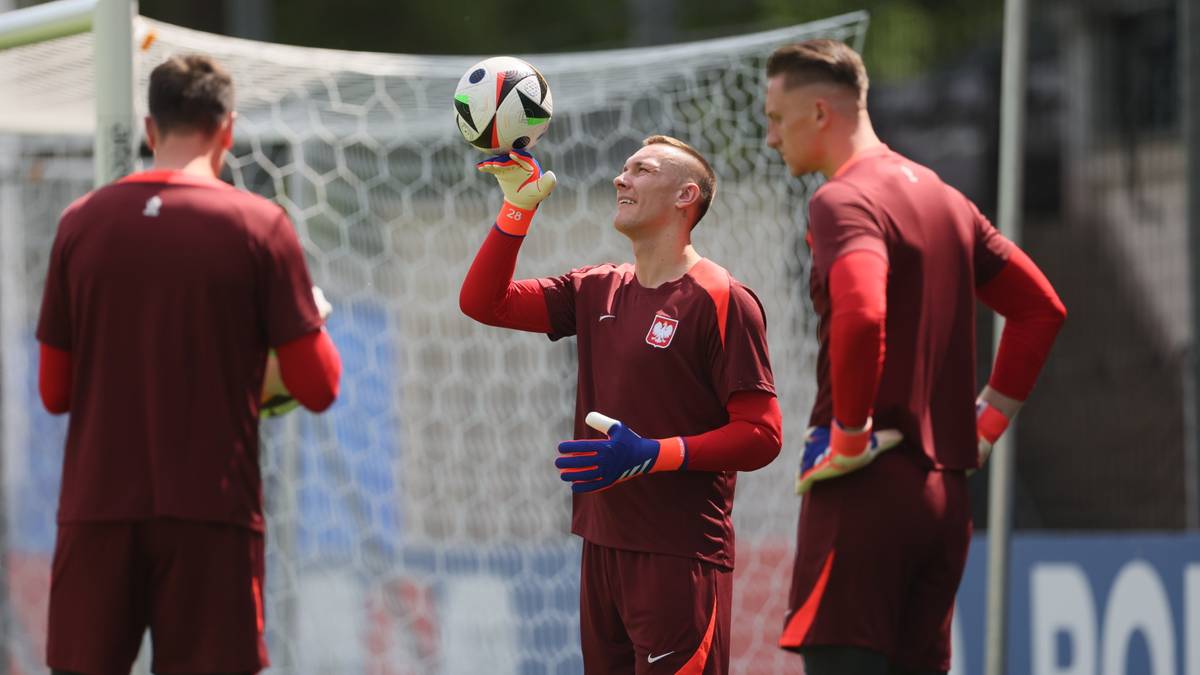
(907, 37)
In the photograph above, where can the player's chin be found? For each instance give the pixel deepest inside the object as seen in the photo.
(624, 225)
(798, 169)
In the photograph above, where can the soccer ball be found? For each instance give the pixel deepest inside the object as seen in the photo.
(502, 104)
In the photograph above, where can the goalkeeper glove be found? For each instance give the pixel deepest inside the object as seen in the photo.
(831, 454)
(990, 424)
(525, 185)
(276, 399)
(593, 465)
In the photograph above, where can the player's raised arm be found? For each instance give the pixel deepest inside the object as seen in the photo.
(1033, 314)
(489, 295)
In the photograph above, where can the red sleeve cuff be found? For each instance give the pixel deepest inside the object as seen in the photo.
(311, 369)
(54, 378)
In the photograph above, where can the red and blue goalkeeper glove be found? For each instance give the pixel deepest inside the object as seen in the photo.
(990, 424)
(831, 454)
(524, 184)
(593, 465)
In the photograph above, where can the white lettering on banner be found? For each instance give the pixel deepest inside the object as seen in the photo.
(1060, 600)
(1191, 618)
(1138, 602)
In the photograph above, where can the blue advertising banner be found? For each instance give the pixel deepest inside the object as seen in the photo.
(1103, 604)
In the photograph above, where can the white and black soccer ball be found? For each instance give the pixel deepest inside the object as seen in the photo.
(502, 104)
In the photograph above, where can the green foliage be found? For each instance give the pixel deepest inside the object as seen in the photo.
(906, 36)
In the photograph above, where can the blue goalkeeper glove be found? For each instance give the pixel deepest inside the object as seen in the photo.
(831, 454)
(594, 465)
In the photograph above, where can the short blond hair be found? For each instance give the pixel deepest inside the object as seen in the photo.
(706, 180)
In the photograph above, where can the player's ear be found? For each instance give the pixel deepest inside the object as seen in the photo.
(151, 133)
(822, 112)
(688, 195)
(226, 130)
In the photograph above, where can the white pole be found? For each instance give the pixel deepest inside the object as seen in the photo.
(1189, 20)
(44, 22)
(115, 127)
(1008, 217)
(14, 411)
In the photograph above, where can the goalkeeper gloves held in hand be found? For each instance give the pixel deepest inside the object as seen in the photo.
(829, 454)
(276, 399)
(525, 185)
(594, 465)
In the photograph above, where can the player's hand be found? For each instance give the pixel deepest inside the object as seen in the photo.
(324, 309)
(990, 424)
(525, 185)
(592, 465)
(831, 454)
(275, 399)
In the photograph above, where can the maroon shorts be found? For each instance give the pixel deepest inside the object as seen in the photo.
(879, 557)
(196, 586)
(653, 613)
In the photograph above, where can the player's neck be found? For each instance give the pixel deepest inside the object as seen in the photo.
(842, 149)
(662, 258)
(189, 158)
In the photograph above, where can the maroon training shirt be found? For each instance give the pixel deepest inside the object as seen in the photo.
(939, 248)
(167, 290)
(664, 361)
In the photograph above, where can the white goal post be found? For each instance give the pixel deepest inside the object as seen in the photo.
(406, 532)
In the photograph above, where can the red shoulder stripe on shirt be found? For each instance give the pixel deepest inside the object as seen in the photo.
(715, 281)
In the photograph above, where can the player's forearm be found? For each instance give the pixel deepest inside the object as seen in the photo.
(311, 370)
(490, 296)
(54, 379)
(750, 441)
(858, 294)
(1033, 315)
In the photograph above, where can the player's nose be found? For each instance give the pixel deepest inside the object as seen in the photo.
(619, 181)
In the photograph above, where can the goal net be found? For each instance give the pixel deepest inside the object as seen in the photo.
(419, 526)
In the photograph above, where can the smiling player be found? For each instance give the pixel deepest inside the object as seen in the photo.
(675, 395)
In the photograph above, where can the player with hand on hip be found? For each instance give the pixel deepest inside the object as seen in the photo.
(675, 395)
(164, 293)
(898, 259)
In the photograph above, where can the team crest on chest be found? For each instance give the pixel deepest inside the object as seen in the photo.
(662, 331)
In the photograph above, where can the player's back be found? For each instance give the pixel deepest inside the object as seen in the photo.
(937, 247)
(165, 278)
